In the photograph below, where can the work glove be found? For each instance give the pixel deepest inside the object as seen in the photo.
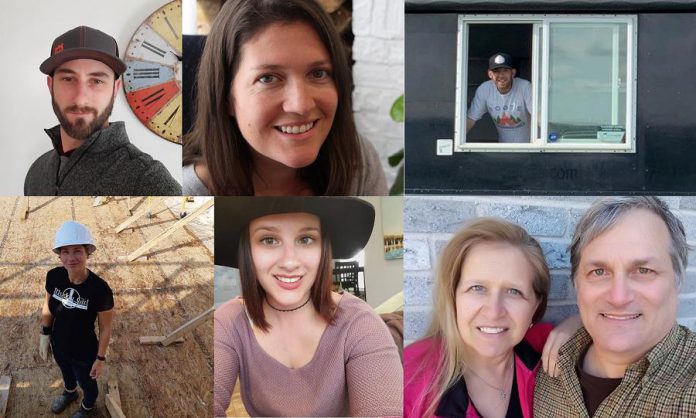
(45, 346)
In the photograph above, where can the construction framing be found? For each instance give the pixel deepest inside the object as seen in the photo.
(176, 336)
(5, 382)
(152, 297)
(164, 235)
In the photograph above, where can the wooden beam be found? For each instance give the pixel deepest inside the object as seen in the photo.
(101, 200)
(151, 203)
(114, 409)
(114, 392)
(236, 408)
(190, 325)
(175, 336)
(113, 400)
(24, 212)
(153, 340)
(5, 382)
(179, 224)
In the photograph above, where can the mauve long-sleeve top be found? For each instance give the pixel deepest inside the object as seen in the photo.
(355, 370)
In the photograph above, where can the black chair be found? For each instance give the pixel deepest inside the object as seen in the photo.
(345, 274)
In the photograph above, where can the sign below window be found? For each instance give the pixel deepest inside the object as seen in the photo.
(611, 133)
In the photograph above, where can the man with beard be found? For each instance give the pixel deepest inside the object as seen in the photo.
(91, 156)
(507, 99)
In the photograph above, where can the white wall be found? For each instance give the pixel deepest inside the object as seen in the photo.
(28, 28)
(383, 278)
(378, 73)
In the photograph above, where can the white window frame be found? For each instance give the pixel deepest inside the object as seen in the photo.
(540, 77)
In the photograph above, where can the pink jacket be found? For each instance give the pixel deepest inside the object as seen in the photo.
(421, 359)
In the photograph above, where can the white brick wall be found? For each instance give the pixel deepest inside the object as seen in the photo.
(430, 222)
(378, 73)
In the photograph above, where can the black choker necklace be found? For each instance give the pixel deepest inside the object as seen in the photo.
(288, 310)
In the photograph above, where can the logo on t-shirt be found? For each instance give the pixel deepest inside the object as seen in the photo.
(508, 121)
(70, 298)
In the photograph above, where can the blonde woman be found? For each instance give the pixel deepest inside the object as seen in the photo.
(485, 343)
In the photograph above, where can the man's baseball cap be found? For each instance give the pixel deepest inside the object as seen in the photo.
(500, 60)
(83, 42)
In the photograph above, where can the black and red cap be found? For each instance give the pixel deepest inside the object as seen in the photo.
(83, 42)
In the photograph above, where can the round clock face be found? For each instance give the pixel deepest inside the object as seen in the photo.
(152, 80)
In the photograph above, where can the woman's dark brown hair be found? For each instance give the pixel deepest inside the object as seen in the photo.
(254, 294)
(215, 138)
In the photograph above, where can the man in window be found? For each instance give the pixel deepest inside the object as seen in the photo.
(91, 156)
(507, 99)
(631, 358)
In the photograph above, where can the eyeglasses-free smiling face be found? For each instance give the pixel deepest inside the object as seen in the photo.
(495, 299)
(286, 250)
(502, 78)
(626, 289)
(73, 258)
(283, 94)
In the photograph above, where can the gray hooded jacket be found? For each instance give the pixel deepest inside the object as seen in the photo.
(106, 164)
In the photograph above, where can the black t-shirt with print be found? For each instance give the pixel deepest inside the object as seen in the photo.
(74, 309)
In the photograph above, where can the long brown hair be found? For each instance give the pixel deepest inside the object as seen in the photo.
(215, 138)
(254, 294)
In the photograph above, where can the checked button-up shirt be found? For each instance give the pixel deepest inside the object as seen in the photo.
(660, 385)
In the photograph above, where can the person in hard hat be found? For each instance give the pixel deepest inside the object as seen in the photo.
(75, 298)
(298, 348)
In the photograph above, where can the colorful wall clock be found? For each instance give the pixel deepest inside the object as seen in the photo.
(152, 81)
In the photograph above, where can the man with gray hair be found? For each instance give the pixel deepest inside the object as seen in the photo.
(631, 358)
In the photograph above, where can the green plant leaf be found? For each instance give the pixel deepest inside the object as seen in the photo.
(397, 188)
(396, 158)
(397, 109)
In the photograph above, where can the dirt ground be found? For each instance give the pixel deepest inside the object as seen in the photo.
(153, 296)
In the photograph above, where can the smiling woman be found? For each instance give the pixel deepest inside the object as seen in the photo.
(298, 348)
(284, 100)
(483, 350)
(274, 109)
(75, 299)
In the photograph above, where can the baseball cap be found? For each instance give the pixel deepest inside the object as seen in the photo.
(500, 60)
(83, 42)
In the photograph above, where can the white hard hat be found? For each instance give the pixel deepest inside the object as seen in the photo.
(73, 233)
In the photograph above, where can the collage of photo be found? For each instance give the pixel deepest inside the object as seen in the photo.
(348, 208)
